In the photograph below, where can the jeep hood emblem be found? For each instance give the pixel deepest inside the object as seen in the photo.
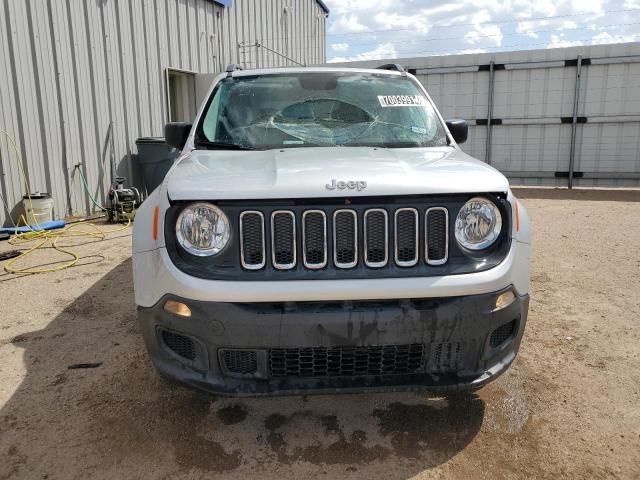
(351, 185)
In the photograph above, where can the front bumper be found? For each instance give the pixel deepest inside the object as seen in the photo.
(155, 276)
(455, 343)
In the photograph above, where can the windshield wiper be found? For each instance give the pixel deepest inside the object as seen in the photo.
(222, 145)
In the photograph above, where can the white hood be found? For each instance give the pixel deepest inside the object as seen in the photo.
(305, 173)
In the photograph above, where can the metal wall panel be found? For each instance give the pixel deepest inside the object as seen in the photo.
(81, 80)
(533, 99)
(461, 95)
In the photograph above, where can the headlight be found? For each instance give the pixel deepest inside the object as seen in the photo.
(202, 229)
(478, 224)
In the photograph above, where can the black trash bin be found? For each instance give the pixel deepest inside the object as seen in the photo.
(155, 158)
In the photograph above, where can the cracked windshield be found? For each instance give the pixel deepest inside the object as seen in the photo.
(327, 109)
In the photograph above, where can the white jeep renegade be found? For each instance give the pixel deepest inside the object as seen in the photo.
(322, 231)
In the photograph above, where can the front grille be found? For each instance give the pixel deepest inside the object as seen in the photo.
(241, 362)
(252, 248)
(346, 361)
(345, 238)
(283, 239)
(502, 333)
(314, 239)
(436, 235)
(406, 228)
(376, 237)
(332, 238)
(181, 345)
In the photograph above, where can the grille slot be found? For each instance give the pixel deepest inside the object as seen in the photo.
(346, 361)
(181, 345)
(446, 356)
(376, 238)
(283, 239)
(502, 334)
(406, 237)
(437, 235)
(314, 239)
(241, 362)
(345, 238)
(252, 249)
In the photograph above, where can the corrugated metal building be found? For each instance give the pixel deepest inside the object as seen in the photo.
(81, 80)
(537, 115)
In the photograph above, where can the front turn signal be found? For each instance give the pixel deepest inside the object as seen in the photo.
(177, 308)
(504, 300)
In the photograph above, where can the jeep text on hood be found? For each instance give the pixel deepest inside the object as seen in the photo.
(323, 231)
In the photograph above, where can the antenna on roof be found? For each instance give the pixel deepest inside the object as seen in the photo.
(232, 68)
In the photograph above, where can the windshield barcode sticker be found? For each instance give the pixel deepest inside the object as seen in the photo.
(402, 100)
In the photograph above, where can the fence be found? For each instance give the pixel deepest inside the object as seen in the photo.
(559, 117)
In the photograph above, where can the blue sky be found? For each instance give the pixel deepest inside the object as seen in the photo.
(376, 29)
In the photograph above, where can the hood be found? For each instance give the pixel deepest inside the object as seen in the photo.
(329, 171)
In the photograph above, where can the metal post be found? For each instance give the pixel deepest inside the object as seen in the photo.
(574, 122)
(487, 155)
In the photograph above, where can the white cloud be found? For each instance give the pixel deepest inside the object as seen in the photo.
(606, 38)
(526, 9)
(587, 6)
(385, 50)
(490, 34)
(349, 6)
(601, 38)
(340, 47)
(530, 28)
(347, 24)
(394, 20)
(559, 42)
(471, 50)
(483, 32)
(432, 27)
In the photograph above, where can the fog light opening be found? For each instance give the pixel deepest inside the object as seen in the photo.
(177, 308)
(504, 300)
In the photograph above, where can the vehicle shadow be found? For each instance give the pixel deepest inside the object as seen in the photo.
(90, 405)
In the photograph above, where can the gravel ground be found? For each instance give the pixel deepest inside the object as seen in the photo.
(568, 407)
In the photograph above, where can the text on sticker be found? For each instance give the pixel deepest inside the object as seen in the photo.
(401, 100)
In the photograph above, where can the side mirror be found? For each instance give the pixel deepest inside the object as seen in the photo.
(459, 129)
(176, 134)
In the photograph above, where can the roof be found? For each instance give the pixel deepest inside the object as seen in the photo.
(227, 3)
(323, 6)
(294, 70)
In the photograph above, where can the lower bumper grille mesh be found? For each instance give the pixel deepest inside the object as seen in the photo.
(446, 356)
(242, 362)
(179, 344)
(346, 361)
(502, 333)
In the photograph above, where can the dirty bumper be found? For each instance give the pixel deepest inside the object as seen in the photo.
(307, 347)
